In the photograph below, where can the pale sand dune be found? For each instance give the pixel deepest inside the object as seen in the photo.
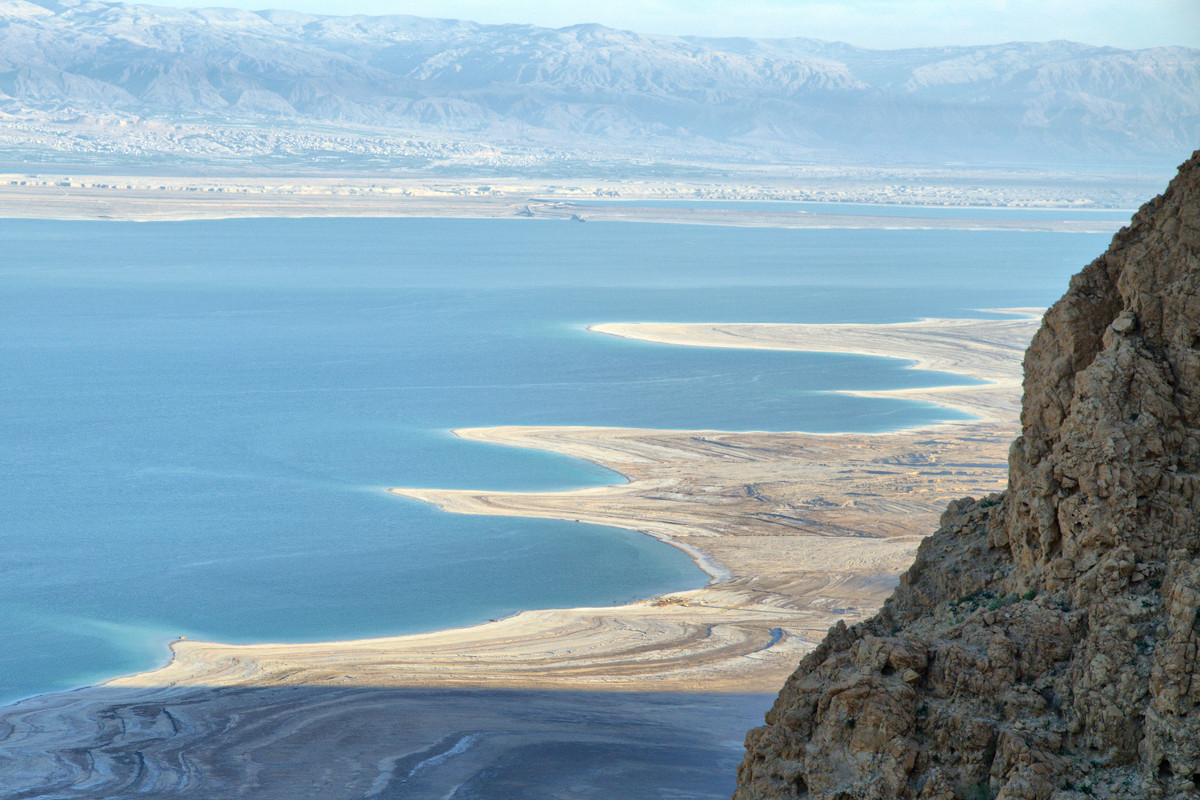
(799, 530)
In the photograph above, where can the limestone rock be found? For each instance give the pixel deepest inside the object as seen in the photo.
(1043, 646)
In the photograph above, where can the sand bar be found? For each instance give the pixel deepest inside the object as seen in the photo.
(800, 530)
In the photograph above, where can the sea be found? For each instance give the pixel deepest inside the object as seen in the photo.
(198, 419)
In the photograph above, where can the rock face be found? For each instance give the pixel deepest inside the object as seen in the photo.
(1044, 642)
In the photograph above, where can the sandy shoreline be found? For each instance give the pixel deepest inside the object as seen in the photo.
(800, 530)
(937, 345)
(175, 199)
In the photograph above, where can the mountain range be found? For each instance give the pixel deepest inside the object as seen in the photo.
(596, 88)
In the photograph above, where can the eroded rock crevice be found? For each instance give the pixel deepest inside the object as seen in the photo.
(1044, 644)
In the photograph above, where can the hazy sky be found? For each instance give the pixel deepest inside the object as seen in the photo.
(868, 23)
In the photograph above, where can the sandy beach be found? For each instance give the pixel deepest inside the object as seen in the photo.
(798, 530)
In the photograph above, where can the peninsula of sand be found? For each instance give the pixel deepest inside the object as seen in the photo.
(797, 531)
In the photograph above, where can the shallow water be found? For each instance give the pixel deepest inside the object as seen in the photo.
(198, 418)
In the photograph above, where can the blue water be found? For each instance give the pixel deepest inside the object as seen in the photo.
(198, 418)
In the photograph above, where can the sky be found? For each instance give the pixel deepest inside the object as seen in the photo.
(866, 23)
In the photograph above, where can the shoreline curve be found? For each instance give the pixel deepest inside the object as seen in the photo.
(808, 529)
(597, 445)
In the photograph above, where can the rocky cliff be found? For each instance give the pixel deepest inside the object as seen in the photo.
(1044, 642)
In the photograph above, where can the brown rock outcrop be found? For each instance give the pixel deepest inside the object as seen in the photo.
(1044, 643)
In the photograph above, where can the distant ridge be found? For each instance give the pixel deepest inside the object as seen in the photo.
(584, 87)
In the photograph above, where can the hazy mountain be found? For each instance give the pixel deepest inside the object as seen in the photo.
(787, 99)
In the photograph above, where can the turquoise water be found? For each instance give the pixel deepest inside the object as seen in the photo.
(198, 418)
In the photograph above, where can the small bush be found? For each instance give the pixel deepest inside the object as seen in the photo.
(1001, 602)
(981, 791)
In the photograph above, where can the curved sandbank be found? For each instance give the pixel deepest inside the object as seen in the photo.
(985, 349)
(767, 514)
(799, 530)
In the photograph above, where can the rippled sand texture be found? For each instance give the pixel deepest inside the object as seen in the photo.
(798, 531)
